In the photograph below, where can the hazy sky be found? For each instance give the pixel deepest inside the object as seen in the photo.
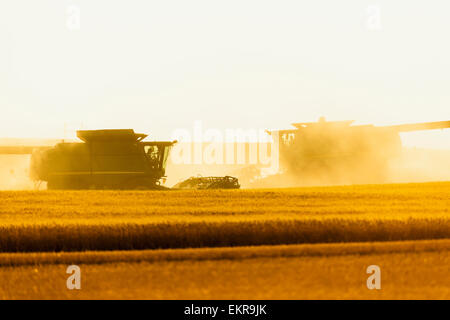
(157, 66)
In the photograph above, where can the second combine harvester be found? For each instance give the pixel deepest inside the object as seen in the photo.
(339, 152)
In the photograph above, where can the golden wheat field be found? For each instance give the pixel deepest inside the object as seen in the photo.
(112, 220)
(302, 243)
(410, 270)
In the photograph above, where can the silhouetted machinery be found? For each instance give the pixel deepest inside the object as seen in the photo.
(106, 159)
(201, 183)
(339, 152)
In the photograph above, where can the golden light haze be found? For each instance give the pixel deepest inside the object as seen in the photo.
(282, 149)
(159, 66)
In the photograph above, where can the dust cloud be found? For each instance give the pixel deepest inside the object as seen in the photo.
(337, 153)
(14, 172)
(420, 165)
(409, 166)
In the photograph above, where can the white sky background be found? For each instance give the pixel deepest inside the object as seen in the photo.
(157, 66)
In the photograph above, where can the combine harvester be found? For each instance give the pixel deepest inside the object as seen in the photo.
(106, 159)
(339, 152)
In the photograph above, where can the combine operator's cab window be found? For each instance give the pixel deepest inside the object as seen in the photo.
(153, 154)
(157, 155)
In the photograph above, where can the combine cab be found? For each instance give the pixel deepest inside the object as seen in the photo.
(339, 152)
(106, 159)
(201, 183)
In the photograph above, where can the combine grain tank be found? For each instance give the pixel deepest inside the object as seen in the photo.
(341, 152)
(106, 159)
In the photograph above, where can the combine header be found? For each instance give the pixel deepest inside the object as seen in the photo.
(201, 183)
